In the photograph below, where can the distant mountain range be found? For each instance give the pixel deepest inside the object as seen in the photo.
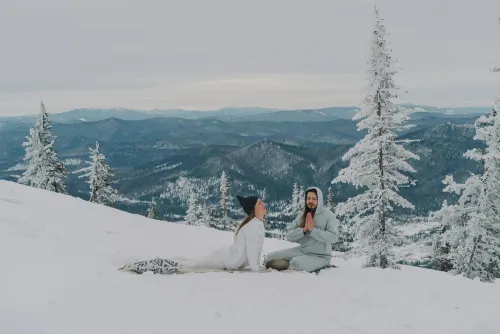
(235, 114)
(164, 157)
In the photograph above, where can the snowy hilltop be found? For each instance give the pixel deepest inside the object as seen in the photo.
(61, 256)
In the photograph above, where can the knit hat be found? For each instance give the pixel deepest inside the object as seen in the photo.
(248, 203)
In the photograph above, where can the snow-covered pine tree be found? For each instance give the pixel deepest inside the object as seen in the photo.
(301, 199)
(152, 211)
(205, 214)
(377, 160)
(472, 226)
(191, 217)
(100, 178)
(226, 222)
(330, 203)
(294, 209)
(45, 170)
(470, 238)
(224, 193)
(33, 148)
(442, 243)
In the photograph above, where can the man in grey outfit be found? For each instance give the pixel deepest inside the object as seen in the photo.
(315, 229)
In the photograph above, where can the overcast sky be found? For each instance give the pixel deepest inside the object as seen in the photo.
(207, 54)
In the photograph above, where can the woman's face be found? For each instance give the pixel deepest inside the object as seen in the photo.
(260, 208)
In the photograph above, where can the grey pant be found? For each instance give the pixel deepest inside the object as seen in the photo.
(299, 260)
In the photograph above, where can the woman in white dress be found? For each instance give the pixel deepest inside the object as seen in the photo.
(245, 251)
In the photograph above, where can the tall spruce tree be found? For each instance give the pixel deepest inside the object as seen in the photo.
(226, 223)
(330, 203)
(191, 217)
(44, 169)
(378, 160)
(224, 193)
(301, 196)
(100, 178)
(294, 207)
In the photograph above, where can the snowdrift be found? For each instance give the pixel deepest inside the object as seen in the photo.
(60, 256)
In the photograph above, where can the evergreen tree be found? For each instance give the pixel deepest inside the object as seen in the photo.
(441, 246)
(226, 222)
(377, 160)
(152, 211)
(330, 203)
(471, 237)
(205, 214)
(33, 149)
(295, 200)
(44, 169)
(100, 178)
(191, 217)
(301, 199)
(224, 194)
(469, 243)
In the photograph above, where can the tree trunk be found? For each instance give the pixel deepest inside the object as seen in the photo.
(381, 214)
(476, 241)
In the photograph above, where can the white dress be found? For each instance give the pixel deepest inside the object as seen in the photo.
(245, 251)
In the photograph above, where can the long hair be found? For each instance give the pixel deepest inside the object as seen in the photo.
(303, 218)
(244, 222)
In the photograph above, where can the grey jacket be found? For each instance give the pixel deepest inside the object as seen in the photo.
(324, 234)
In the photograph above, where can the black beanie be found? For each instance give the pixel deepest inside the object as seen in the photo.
(248, 203)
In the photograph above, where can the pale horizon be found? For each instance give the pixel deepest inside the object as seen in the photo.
(273, 54)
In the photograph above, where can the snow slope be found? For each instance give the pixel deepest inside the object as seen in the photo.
(60, 257)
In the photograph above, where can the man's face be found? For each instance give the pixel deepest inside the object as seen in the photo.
(311, 200)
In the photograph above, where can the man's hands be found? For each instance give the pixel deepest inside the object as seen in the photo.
(309, 223)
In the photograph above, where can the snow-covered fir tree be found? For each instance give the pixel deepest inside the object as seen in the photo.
(301, 199)
(44, 170)
(224, 194)
(191, 217)
(205, 215)
(33, 147)
(441, 246)
(470, 241)
(330, 203)
(378, 160)
(153, 211)
(100, 177)
(294, 208)
(225, 222)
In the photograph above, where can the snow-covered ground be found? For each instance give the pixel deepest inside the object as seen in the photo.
(60, 256)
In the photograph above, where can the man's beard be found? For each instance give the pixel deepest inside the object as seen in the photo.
(311, 209)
